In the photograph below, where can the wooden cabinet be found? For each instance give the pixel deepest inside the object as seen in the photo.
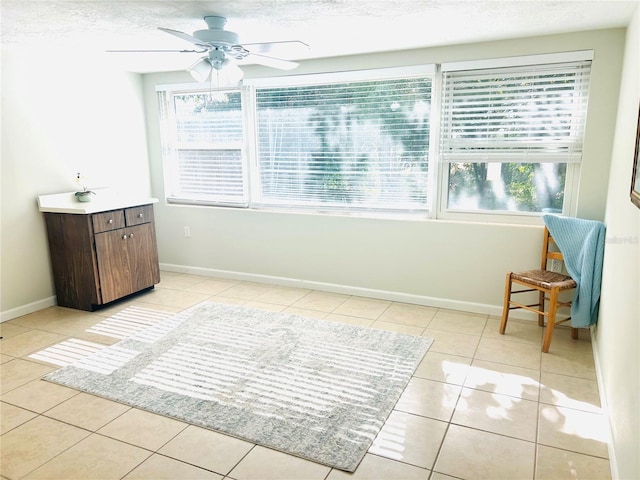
(100, 257)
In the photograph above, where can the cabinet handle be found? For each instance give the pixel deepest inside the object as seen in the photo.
(110, 221)
(131, 235)
(140, 215)
(124, 237)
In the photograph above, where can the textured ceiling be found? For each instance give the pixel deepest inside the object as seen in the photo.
(330, 27)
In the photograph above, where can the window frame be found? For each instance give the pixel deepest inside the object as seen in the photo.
(170, 147)
(251, 86)
(438, 169)
(573, 169)
(569, 206)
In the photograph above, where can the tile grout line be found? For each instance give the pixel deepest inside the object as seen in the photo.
(473, 358)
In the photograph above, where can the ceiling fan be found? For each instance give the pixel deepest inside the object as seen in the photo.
(223, 50)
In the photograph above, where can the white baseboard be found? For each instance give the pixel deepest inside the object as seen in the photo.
(604, 405)
(26, 309)
(481, 308)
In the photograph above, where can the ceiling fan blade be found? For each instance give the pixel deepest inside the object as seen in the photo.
(273, 62)
(156, 51)
(266, 47)
(186, 36)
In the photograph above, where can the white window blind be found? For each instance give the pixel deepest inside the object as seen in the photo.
(205, 140)
(355, 145)
(516, 114)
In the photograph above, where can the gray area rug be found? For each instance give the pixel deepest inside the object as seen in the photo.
(316, 389)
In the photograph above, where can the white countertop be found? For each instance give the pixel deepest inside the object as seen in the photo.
(104, 200)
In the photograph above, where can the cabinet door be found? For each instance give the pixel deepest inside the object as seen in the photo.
(143, 256)
(113, 264)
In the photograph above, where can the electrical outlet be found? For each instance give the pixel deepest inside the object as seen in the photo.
(187, 232)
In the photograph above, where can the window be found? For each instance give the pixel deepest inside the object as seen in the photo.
(204, 142)
(509, 135)
(494, 136)
(355, 145)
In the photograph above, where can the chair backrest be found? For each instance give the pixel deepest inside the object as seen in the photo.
(550, 250)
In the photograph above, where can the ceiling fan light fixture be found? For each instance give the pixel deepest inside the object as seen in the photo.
(218, 59)
(230, 75)
(201, 70)
(218, 67)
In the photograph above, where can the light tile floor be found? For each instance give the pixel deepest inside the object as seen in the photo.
(480, 405)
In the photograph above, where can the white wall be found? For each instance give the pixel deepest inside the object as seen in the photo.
(57, 120)
(460, 265)
(618, 330)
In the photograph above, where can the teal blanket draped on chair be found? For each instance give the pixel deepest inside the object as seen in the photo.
(582, 245)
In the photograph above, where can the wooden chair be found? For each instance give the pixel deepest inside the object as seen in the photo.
(548, 284)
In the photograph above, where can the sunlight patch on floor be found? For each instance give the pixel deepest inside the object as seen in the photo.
(578, 423)
(67, 352)
(129, 321)
(510, 384)
(390, 442)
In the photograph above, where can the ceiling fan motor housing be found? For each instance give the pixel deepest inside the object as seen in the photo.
(217, 37)
(216, 34)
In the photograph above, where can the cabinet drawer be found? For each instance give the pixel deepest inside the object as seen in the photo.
(138, 215)
(103, 222)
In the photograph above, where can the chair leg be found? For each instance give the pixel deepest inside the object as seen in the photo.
(574, 333)
(505, 308)
(551, 321)
(540, 315)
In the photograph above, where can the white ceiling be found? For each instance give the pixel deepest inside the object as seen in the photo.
(330, 27)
